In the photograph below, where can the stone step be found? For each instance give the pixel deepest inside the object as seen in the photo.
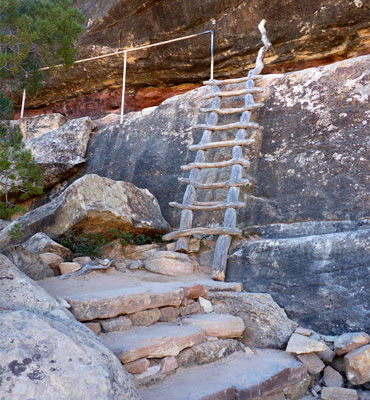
(156, 341)
(108, 295)
(217, 325)
(243, 376)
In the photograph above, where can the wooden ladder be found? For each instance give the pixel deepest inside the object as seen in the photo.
(237, 162)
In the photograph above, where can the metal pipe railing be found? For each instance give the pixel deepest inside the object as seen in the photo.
(211, 32)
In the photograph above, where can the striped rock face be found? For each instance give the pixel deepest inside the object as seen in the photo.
(303, 35)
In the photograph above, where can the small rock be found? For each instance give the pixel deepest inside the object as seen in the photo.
(205, 305)
(142, 252)
(149, 372)
(116, 324)
(312, 362)
(190, 309)
(52, 259)
(218, 325)
(357, 363)
(332, 377)
(169, 314)
(336, 393)
(170, 246)
(338, 364)
(69, 267)
(364, 395)
(212, 338)
(299, 344)
(138, 366)
(186, 301)
(135, 264)
(169, 263)
(349, 341)
(145, 318)
(194, 292)
(303, 331)
(82, 260)
(297, 390)
(208, 352)
(194, 245)
(326, 355)
(169, 364)
(42, 243)
(94, 326)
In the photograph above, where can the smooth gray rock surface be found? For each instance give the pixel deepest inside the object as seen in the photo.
(45, 353)
(321, 281)
(309, 164)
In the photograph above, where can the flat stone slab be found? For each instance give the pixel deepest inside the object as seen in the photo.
(299, 344)
(219, 325)
(157, 341)
(249, 375)
(100, 295)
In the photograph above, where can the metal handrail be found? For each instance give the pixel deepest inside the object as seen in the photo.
(124, 52)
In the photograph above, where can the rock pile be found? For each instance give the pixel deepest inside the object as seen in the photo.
(338, 365)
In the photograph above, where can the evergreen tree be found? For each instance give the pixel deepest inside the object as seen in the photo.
(33, 34)
(20, 176)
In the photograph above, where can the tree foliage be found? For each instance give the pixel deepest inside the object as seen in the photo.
(35, 34)
(20, 176)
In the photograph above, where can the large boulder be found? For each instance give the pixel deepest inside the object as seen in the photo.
(58, 152)
(309, 164)
(266, 324)
(45, 353)
(303, 34)
(94, 205)
(321, 280)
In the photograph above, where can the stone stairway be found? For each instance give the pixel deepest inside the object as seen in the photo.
(166, 333)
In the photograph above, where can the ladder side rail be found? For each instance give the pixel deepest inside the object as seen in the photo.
(224, 241)
(187, 215)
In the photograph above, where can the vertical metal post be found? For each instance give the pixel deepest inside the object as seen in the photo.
(123, 85)
(23, 102)
(212, 54)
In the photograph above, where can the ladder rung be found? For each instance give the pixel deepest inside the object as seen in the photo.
(215, 185)
(202, 231)
(226, 111)
(230, 93)
(231, 80)
(220, 164)
(225, 143)
(206, 206)
(235, 125)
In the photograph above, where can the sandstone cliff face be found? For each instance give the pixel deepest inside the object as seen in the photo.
(309, 163)
(302, 33)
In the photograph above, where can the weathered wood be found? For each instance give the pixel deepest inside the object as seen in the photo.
(215, 185)
(190, 193)
(219, 164)
(231, 80)
(225, 143)
(223, 241)
(227, 127)
(226, 111)
(230, 93)
(205, 207)
(202, 231)
(88, 267)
